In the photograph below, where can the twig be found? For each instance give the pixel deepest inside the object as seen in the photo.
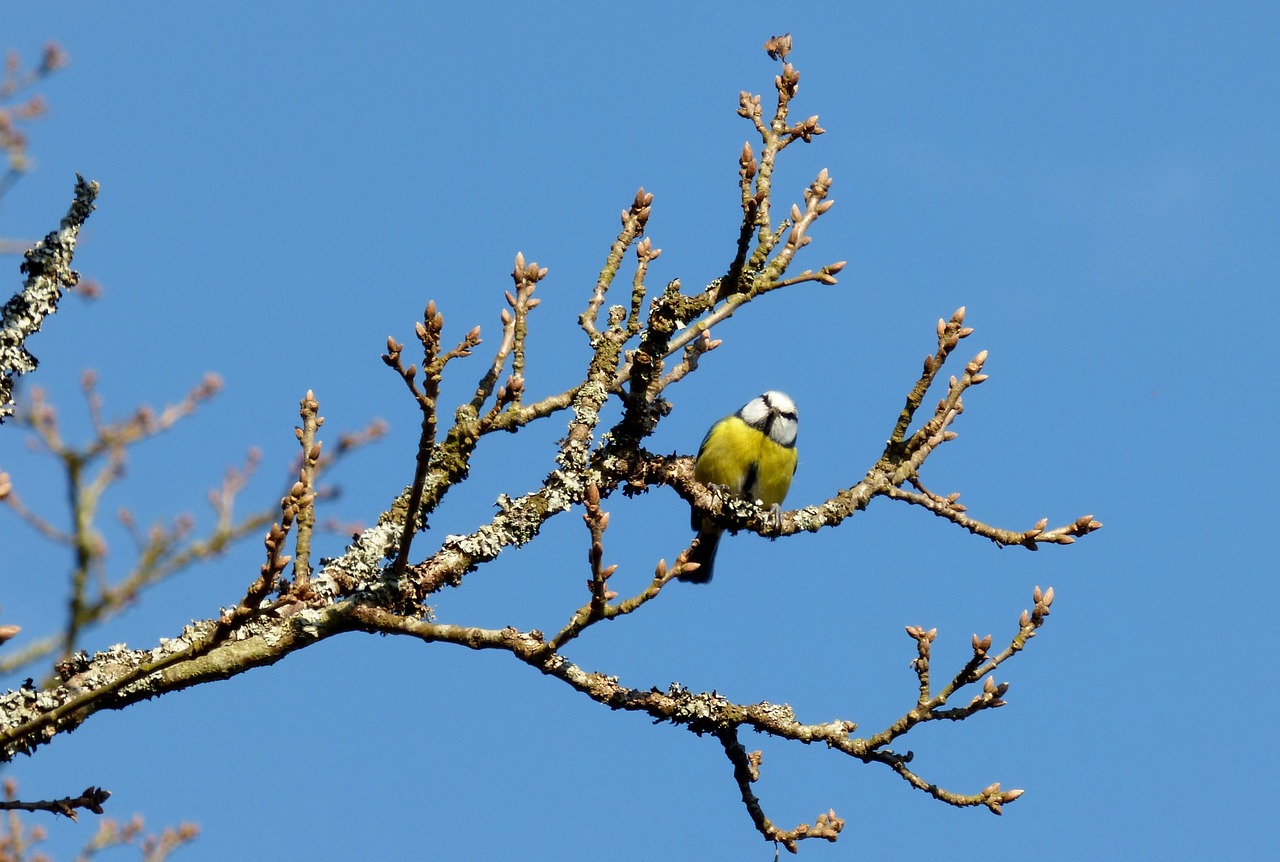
(433, 363)
(309, 410)
(746, 771)
(90, 799)
(634, 220)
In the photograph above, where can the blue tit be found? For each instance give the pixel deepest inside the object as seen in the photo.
(752, 455)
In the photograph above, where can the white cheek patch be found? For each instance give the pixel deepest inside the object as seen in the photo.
(783, 430)
(755, 412)
(773, 413)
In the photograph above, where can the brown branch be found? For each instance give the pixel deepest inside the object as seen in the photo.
(645, 254)
(634, 220)
(899, 464)
(589, 613)
(526, 278)
(514, 332)
(756, 186)
(693, 352)
(163, 552)
(360, 591)
(949, 335)
(797, 236)
(359, 568)
(119, 677)
(949, 509)
(90, 799)
(521, 519)
(928, 706)
(643, 369)
(597, 522)
(309, 411)
(433, 362)
(712, 713)
(746, 770)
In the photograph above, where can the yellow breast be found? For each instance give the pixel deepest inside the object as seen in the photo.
(746, 461)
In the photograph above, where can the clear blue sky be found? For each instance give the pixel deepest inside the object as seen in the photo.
(1096, 183)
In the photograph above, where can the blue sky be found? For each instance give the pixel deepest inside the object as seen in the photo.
(1097, 184)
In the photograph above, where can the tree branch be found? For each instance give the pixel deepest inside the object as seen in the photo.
(90, 799)
(49, 273)
(374, 586)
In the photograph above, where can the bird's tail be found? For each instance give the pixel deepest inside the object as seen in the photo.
(704, 554)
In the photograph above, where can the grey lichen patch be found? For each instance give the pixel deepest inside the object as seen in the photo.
(519, 521)
(575, 450)
(813, 518)
(360, 568)
(81, 673)
(48, 270)
(485, 543)
(311, 622)
(774, 713)
(700, 708)
(564, 490)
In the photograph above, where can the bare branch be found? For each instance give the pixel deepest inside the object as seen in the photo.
(309, 410)
(374, 586)
(90, 799)
(746, 770)
(49, 273)
(634, 220)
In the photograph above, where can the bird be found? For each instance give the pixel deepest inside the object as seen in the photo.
(751, 454)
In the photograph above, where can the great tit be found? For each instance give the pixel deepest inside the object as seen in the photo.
(752, 455)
